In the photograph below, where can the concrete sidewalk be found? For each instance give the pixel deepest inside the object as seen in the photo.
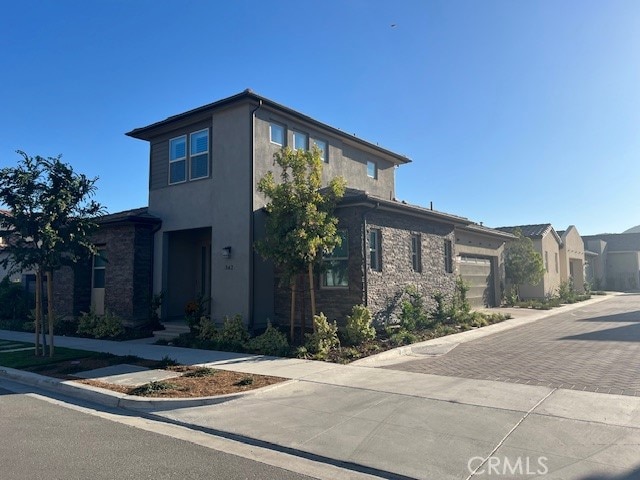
(394, 424)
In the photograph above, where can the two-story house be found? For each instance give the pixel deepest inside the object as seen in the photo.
(205, 214)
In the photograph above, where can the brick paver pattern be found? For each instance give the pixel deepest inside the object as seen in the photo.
(595, 348)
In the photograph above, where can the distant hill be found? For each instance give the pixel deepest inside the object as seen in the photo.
(635, 229)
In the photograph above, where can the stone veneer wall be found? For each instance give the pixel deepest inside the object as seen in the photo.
(383, 290)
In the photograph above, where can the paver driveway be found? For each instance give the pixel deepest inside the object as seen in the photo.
(594, 348)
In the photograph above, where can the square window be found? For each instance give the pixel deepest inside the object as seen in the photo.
(178, 148)
(199, 154)
(372, 169)
(276, 133)
(375, 252)
(322, 146)
(177, 171)
(300, 141)
(336, 264)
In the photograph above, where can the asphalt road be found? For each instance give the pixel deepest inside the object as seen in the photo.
(595, 348)
(40, 440)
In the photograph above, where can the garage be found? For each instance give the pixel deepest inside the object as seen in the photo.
(477, 273)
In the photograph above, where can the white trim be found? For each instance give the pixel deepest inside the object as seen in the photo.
(186, 146)
(207, 153)
(306, 135)
(284, 133)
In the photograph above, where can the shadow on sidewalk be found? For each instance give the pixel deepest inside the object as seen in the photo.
(634, 475)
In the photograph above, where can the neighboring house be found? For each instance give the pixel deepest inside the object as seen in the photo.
(119, 278)
(572, 258)
(205, 165)
(614, 261)
(547, 243)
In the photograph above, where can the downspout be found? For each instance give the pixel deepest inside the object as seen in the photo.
(365, 256)
(251, 226)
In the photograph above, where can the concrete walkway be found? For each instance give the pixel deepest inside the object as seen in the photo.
(398, 424)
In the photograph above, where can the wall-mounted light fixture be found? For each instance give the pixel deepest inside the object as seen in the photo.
(226, 252)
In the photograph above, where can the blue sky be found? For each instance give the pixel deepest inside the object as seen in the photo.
(513, 112)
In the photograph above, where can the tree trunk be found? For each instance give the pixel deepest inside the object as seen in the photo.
(38, 310)
(293, 307)
(312, 294)
(50, 309)
(303, 307)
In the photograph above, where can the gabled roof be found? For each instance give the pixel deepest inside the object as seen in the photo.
(538, 230)
(148, 132)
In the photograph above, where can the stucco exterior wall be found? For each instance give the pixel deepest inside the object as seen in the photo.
(623, 270)
(572, 253)
(221, 202)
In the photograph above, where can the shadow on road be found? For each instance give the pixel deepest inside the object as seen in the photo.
(634, 475)
(626, 317)
(628, 333)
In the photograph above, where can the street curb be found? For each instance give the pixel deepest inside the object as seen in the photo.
(113, 399)
(449, 342)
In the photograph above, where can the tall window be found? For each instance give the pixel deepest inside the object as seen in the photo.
(556, 257)
(300, 141)
(448, 256)
(372, 169)
(99, 267)
(336, 264)
(416, 260)
(199, 154)
(178, 159)
(322, 146)
(546, 261)
(277, 133)
(375, 252)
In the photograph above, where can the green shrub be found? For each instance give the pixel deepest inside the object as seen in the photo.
(244, 382)
(151, 388)
(200, 372)
(100, 326)
(272, 342)
(234, 334)
(461, 304)
(324, 339)
(402, 337)
(194, 310)
(441, 312)
(14, 303)
(413, 315)
(359, 328)
(206, 329)
(167, 361)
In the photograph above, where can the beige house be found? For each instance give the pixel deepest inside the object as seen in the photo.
(614, 261)
(572, 258)
(547, 243)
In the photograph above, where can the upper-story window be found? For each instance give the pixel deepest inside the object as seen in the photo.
(300, 141)
(277, 133)
(199, 154)
(178, 159)
(198, 157)
(372, 169)
(322, 146)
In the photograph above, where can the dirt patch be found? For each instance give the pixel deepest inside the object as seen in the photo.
(201, 384)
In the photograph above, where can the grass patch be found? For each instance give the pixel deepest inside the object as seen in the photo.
(27, 360)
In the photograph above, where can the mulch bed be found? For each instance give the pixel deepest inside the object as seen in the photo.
(214, 382)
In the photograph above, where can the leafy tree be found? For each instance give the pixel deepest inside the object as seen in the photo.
(300, 224)
(522, 263)
(50, 219)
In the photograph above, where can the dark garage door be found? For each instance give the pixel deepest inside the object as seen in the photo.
(477, 272)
